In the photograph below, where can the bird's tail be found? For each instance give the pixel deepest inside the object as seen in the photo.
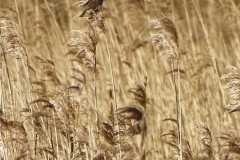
(83, 13)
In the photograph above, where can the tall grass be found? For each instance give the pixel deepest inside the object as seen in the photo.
(138, 80)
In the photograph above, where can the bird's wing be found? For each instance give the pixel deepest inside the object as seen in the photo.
(86, 3)
(98, 7)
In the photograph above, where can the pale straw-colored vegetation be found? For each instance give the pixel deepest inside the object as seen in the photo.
(141, 79)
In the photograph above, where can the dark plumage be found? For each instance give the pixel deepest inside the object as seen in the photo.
(92, 4)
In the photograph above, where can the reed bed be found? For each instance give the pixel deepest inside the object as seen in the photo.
(137, 80)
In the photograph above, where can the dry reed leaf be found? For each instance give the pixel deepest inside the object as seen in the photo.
(131, 113)
(40, 100)
(176, 71)
(170, 119)
(139, 95)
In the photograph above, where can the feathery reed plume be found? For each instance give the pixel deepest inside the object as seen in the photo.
(205, 138)
(109, 142)
(84, 51)
(139, 94)
(233, 85)
(230, 146)
(11, 41)
(167, 38)
(12, 49)
(132, 121)
(11, 44)
(23, 154)
(171, 139)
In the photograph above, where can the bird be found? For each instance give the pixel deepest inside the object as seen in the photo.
(92, 4)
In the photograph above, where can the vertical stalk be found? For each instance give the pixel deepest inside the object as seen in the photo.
(114, 97)
(1, 84)
(6, 66)
(177, 92)
(95, 91)
(178, 107)
(56, 135)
